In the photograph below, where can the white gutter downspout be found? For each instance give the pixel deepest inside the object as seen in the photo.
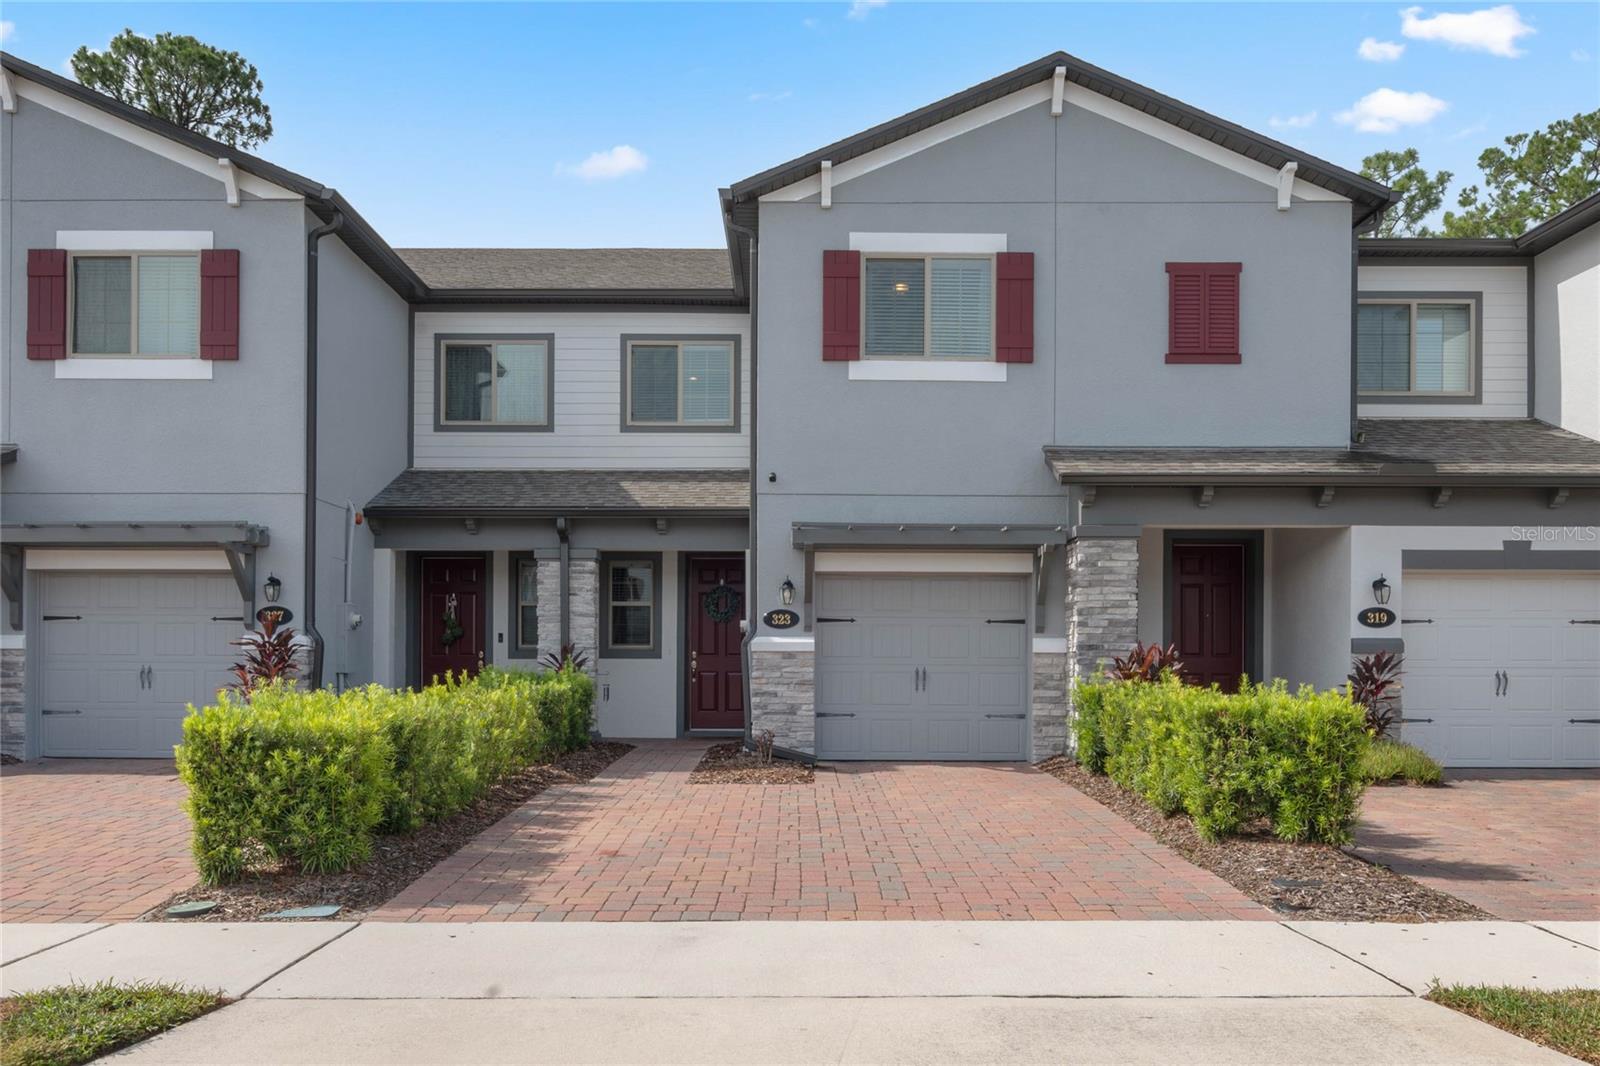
(1286, 184)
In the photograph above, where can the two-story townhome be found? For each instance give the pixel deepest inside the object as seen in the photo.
(968, 403)
(1059, 363)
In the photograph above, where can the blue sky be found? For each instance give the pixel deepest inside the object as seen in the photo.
(614, 124)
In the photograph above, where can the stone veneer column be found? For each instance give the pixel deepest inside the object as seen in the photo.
(1049, 704)
(783, 698)
(1102, 603)
(547, 573)
(13, 714)
(583, 603)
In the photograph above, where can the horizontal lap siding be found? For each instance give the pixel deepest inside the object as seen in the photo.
(1505, 335)
(588, 396)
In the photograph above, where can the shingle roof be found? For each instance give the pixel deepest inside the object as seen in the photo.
(541, 492)
(1432, 451)
(546, 269)
(1546, 235)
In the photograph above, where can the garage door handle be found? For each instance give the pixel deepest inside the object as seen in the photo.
(1416, 621)
(835, 714)
(48, 710)
(836, 619)
(1005, 716)
(61, 618)
(1429, 720)
(1583, 721)
(1005, 621)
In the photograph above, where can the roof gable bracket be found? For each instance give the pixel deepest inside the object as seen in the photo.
(1286, 184)
(230, 181)
(826, 174)
(8, 94)
(1058, 91)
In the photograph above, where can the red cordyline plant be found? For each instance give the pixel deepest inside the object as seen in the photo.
(1146, 662)
(1374, 684)
(568, 656)
(269, 656)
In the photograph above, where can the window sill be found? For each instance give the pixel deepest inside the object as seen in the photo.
(114, 369)
(918, 370)
(1203, 358)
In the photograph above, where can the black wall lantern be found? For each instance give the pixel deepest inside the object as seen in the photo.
(1381, 590)
(786, 592)
(273, 588)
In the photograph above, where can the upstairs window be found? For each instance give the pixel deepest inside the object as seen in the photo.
(670, 384)
(1415, 347)
(939, 307)
(138, 304)
(495, 382)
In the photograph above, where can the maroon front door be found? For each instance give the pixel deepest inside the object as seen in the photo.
(453, 591)
(1208, 612)
(714, 676)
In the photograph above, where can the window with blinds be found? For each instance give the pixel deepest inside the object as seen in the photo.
(677, 384)
(136, 305)
(939, 307)
(486, 381)
(1415, 348)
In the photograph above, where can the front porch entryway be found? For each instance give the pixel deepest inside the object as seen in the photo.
(452, 626)
(1207, 611)
(713, 671)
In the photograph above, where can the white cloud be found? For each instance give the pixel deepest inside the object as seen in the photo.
(615, 162)
(8, 29)
(1494, 29)
(810, 23)
(770, 98)
(860, 9)
(1468, 131)
(1386, 110)
(1375, 51)
(1579, 55)
(1293, 122)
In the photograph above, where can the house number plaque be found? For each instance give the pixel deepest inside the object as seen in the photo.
(782, 618)
(274, 615)
(1375, 617)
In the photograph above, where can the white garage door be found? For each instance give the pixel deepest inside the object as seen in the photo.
(1507, 666)
(123, 654)
(922, 667)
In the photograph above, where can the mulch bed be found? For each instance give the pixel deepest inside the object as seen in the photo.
(397, 860)
(1311, 882)
(730, 764)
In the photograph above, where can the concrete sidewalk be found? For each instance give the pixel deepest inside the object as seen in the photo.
(815, 991)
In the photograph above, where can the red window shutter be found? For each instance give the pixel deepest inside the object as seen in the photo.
(47, 303)
(219, 304)
(841, 306)
(1203, 312)
(1013, 307)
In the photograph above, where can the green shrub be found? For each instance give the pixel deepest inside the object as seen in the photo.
(308, 777)
(1390, 760)
(1228, 759)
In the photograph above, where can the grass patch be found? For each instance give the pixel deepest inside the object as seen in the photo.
(1390, 760)
(72, 1024)
(1568, 1020)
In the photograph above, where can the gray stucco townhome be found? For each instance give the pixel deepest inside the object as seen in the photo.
(969, 402)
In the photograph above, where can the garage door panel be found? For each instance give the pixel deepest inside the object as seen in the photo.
(115, 683)
(66, 685)
(63, 639)
(1516, 625)
(174, 639)
(118, 592)
(65, 592)
(927, 670)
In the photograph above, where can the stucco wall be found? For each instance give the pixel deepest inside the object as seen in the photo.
(1566, 340)
(1310, 606)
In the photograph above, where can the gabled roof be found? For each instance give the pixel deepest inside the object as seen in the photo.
(1369, 196)
(1546, 235)
(1394, 451)
(321, 200)
(527, 493)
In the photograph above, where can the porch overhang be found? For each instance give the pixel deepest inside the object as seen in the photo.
(238, 541)
(473, 494)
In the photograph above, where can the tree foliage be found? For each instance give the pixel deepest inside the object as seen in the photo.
(1535, 176)
(1420, 194)
(183, 80)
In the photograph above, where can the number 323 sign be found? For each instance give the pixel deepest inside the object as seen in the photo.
(781, 619)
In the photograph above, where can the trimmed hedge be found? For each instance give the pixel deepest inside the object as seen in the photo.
(1228, 759)
(310, 776)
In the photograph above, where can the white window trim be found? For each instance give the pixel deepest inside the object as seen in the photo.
(612, 644)
(518, 643)
(929, 243)
(680, 422)
(123, 368)
(134, 240)
(1472, 347)
(493, 344)
(880, 368)
(133, 298)
(926, 354)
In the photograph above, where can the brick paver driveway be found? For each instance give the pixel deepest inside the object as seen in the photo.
(866, 841)
(86, 840)
(1521, 844)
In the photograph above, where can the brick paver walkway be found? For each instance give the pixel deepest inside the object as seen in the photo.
(1524, 845)
(866, 841)
(87, 840)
